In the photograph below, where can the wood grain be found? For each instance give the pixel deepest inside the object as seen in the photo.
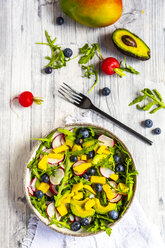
(22, 23)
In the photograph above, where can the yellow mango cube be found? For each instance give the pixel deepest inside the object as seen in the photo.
(89, 188)
(83, 157)
(78, 196)
(43, 163)
(62, 210)
(55, 156)
(76, 148)
(109, 193)
(123, 189)
(77, 187)
(44, 187)
(114, 177)
(59, 149)
(82, 167)
(98, 179)
(69, 143)
(103, 150)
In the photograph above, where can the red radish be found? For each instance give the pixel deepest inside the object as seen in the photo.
(30, 191)
(26, 99)
(76, 164)
(116, 199)
(59, 174)
(49, 193)
(53, 161)
(71, 217)
(58, 140)
(53, 189)
(110, 66)
(106, 172)
(106, 141)
(113, 184)
(77, 218)
(33, 184)
(51, 210)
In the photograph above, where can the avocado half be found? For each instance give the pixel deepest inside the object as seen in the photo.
(130, 44)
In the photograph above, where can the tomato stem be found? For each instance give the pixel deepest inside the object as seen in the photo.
(119, 72)
(38, 100)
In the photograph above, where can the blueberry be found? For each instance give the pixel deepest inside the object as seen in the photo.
(48, 70)
(67, 52)
(116, 158)
(113, 215)
(79, 141)
(60, 20)
(106, 91)
(85, 176)
(84, 222)
(98, 187)
(157, 130)
(45, 178)
(119, 168)
(39, 194)
(75, 226)
(91, 171)
(84, 133)
(91, 154)
(148, 123)
(73, 158)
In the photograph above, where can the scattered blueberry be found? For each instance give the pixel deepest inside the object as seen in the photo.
(73, 158)
(91, 171)
(148, 123)
(98, 187)
(106, 91)
(48, 70)
(67, 52)
(75, 226)
(157, 130)
(91, 154)
(39, 194)
(119, 168)
(45, 178)
(85, 176)
(60, 20)
(79, 141)
(84, 133)
(113, 215)
(84, 222)
(116, 158)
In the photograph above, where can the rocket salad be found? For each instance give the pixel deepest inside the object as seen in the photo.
(81, 179)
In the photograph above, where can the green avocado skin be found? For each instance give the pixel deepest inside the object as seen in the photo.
(131, 53)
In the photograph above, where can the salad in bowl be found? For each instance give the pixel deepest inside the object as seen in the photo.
(80, 180)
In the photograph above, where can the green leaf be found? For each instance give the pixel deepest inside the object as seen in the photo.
(127, 68)
(66, 132)
(88, 72)
(138, 99)
(148, 106)
(108, 231)
(158, 94)
(155, 110)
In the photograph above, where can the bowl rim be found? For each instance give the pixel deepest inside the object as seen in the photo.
(34, 210)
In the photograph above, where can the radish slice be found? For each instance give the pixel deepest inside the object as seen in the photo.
(62, 166)
(49, 193)
(53, 161)
(106, 172)
(116, 199)
(51, 210)
(77, 218)
(53, 189)
(113, 184)
(41, 156)
(33, 184)
(55, 180)
(62, 140)
(71, 217)
(58, 216)
(48, 150)
(30, 191)
(91, 196)
(90, 219)
(76, 164)
(106, 140)
(57, 140)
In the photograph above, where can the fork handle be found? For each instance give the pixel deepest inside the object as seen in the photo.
(130, 130)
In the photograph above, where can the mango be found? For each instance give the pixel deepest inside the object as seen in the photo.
(93, 13)
(43, 163)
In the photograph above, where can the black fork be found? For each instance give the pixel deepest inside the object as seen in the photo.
(84, 102)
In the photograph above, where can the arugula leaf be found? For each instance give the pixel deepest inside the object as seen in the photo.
(88, 53)
(88, 72)
(154, 97)
(59, 223)
(66, 132)
(40, 205)
(127, 68)
(108, 231)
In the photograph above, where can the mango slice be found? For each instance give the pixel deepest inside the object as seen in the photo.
(98, 179)
(43, 163)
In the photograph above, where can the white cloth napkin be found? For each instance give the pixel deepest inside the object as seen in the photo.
(133, 230)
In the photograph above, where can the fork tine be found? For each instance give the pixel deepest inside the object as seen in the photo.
(70, 94)
(65, 97)
(77, 93)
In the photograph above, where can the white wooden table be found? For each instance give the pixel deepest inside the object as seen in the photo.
(22, 23)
